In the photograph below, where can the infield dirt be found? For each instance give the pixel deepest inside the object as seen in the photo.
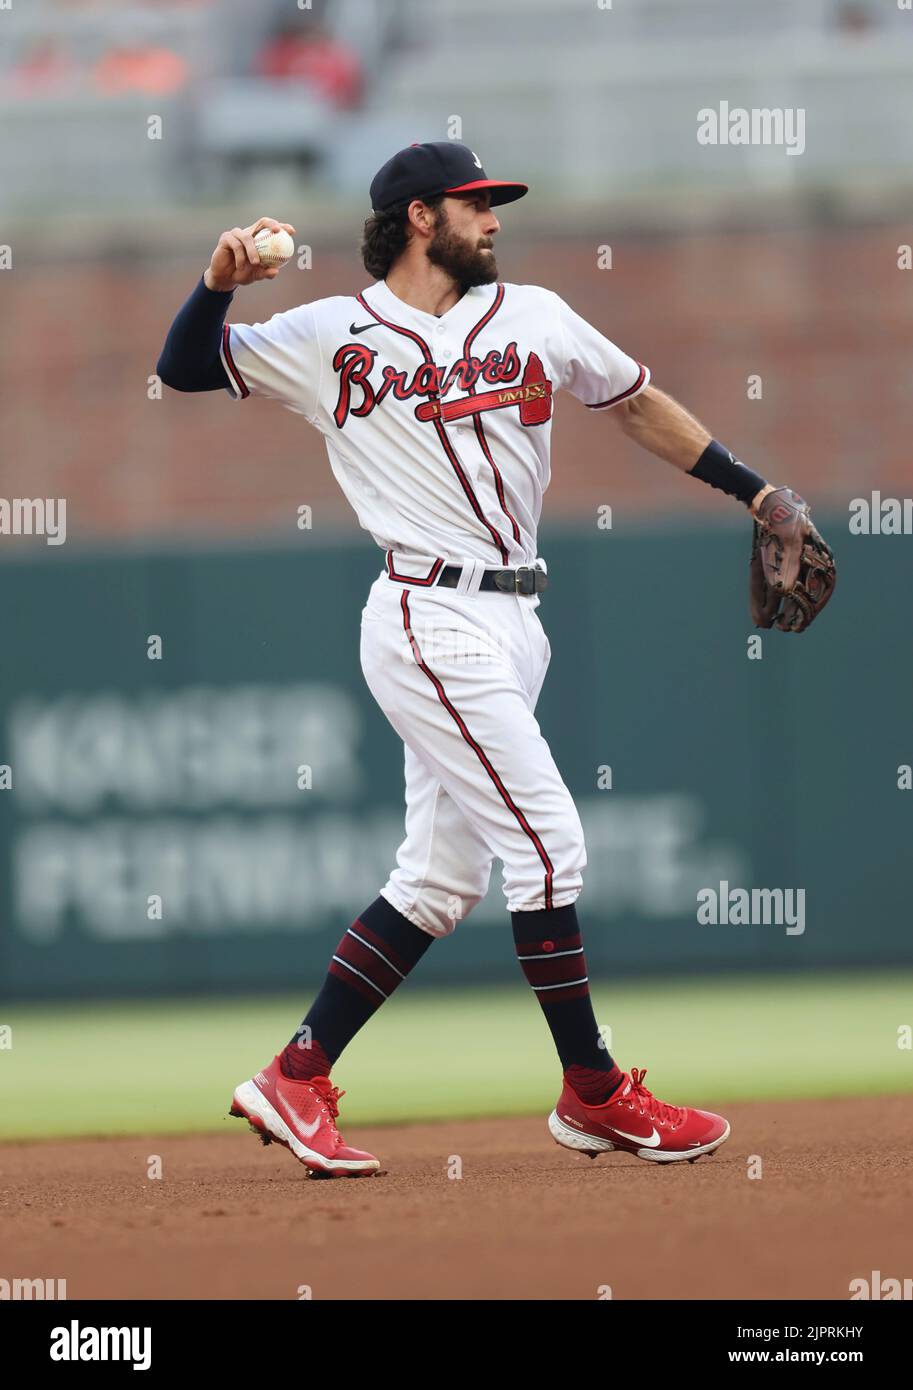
(232, 1219)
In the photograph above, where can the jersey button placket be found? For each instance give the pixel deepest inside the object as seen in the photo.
(445, 354)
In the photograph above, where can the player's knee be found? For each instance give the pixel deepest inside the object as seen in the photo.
(459, 906)
(566, 850)
(438, 908)
(439, 912)
(551, 873)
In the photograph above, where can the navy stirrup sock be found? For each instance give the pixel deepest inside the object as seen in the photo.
(550, 952)
(372, 959)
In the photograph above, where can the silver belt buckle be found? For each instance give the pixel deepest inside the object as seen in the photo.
(520, 586)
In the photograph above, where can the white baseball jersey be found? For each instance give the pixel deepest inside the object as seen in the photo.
(438, 432)
(437, 429)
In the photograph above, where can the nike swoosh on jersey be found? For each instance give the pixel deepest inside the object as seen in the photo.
(362, 328)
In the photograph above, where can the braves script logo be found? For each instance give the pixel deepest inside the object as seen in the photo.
(359, 395)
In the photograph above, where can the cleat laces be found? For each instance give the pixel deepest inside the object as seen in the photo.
(658, 1110)
(328, 1097)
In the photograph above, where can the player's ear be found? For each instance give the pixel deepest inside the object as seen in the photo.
(421, 217)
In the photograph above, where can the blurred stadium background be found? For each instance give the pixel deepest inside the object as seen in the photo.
(178, 777)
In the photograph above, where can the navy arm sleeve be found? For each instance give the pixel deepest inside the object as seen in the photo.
(191, 358)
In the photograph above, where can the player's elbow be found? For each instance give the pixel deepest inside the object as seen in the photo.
(168, 374)
(180, 376)
(631, 415)
(626, 415)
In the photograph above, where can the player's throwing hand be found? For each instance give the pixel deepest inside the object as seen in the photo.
(236, 260)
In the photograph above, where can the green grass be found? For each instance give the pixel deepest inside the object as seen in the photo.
(167, 1067)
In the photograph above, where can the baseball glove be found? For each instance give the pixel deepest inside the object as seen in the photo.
(792, 571)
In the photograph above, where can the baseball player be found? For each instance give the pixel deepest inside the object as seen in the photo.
(433, 389)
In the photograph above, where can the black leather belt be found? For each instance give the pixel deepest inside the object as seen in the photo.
(524, 580)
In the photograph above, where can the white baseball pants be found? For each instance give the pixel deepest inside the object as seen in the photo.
(458, 676)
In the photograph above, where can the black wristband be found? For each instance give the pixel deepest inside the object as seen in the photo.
(718, 467)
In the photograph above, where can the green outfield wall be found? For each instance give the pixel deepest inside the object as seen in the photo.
(212, 820)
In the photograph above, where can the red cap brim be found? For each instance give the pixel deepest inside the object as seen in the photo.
(507, 192)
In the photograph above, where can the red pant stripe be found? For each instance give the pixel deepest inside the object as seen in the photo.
(479, 752)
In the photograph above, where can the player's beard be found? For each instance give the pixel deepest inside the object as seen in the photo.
(468, 265)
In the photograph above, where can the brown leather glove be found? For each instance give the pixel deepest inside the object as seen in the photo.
(792, 572)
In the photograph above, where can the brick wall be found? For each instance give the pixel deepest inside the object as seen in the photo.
(825, 318)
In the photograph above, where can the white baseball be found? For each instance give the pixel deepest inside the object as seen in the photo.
(274, 248)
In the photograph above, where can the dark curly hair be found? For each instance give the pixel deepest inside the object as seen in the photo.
(386, 236)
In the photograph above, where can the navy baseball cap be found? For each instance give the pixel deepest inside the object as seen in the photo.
(440, 166)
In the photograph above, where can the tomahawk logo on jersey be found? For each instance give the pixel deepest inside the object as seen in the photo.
(437, 429)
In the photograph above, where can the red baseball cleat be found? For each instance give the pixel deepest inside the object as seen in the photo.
(634, 1120)
(302, 1116)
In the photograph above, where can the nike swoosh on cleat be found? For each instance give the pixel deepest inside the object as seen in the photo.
(307, 1130)
(652, 1141)
(362, 327)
